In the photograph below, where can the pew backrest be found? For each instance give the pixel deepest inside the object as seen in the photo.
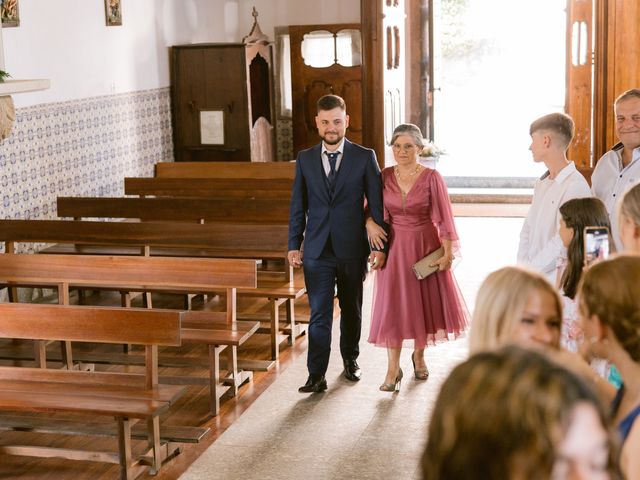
(190, 274)
(208, 210)
(279, 188)
(90, 324)
(161, 238)
(271, 170)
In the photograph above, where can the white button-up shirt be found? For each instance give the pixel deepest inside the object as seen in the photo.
(610, 181)
(540, 243)
(325, 161)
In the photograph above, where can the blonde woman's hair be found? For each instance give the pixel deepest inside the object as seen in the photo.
(630, 205)
(610, 289)
(500, 303)
(502, 414)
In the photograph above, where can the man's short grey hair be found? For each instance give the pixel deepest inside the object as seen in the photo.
(632, 93)
(408, 129)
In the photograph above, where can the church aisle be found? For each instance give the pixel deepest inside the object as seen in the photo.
(353, 430)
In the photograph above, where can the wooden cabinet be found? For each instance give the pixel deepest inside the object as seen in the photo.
(222, 102)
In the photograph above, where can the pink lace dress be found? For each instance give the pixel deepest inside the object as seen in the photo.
(405, 308)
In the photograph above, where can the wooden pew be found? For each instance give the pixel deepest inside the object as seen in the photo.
(252, 211)
(127, 397)
(175, 240)
(206, 210)
(221, 180)
(217, 330)
(157, 238)
(270, 170)
(209, 187)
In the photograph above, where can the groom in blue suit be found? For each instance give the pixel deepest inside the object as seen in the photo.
(332, 181)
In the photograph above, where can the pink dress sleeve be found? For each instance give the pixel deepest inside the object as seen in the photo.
(441, 211)
(386, 179)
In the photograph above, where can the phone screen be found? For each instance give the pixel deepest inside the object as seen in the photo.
(596, 244)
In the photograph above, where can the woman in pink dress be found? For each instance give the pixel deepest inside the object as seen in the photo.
(418, 211)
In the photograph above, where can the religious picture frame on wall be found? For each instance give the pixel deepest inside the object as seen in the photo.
(113, 12)
(9, 13)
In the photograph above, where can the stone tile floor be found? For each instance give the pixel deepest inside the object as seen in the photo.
(353, 430)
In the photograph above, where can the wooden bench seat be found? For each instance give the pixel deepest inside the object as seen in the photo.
(277, 294)
(217, 330)
(60, 426)
(127, 397)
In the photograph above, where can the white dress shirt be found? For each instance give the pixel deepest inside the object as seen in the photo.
(325, 160)
(540, 244)
(610, 181)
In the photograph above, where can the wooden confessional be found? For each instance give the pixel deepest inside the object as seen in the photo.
(222, 100)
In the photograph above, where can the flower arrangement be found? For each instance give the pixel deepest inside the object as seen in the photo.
(431, 150)
(3, 76)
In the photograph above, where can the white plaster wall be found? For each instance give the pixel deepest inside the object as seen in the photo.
(276, 13)
(68, 42)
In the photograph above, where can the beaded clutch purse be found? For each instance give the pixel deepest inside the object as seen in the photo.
(422, 268)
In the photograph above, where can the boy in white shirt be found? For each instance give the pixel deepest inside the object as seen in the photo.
(540, 244)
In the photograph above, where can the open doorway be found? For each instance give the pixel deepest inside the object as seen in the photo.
(497, 67)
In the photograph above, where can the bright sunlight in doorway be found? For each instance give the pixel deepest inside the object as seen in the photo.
(500, 64)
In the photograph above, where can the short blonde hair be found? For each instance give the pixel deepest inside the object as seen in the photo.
(500, 303)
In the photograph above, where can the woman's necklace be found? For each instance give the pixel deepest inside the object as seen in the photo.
(396, 170)
(406, 182)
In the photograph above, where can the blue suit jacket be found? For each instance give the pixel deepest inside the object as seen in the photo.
(315, 214)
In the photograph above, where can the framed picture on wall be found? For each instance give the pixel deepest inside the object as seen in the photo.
(212, 127)
(113, 11)
(9, 13)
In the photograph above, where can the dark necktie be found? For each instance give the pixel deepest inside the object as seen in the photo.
(333, 157)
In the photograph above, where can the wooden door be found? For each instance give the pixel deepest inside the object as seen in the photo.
(617, 65)
(309, 83)
(385, 65)
(420, 67)
(579, 72)
(372, 74)
(395, 69)
(598, 71)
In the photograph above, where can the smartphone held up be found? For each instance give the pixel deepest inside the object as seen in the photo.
(596, 244)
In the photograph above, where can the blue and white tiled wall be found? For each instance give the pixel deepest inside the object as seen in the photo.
(81, 147)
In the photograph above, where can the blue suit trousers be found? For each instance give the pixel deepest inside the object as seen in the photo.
(322, 275)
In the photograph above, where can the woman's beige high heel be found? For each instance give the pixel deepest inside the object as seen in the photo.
(392, 387)
(421, 374)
